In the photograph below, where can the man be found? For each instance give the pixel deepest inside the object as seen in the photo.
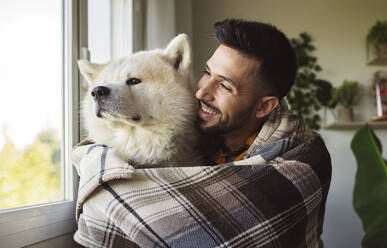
(244, 80)
(271, 185)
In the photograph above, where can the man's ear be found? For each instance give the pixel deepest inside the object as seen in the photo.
(265, 105)
(178, 53)
(89, 70)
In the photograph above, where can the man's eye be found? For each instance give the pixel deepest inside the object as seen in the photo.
(133, 81)
(206, 72)
(225, 87)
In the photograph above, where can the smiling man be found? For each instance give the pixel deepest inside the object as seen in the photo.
(250, 72)
(228, 94)
(267, 184)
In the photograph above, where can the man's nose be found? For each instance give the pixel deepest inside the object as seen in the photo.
(205, 91)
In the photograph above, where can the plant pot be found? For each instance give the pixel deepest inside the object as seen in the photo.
(345, 115)
(381, 50)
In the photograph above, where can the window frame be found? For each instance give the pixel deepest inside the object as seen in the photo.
(127, 27)
(36, 223)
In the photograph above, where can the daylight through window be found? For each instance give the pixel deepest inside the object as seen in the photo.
(31, 102)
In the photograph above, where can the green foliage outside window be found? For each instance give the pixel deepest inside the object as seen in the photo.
(33, 175)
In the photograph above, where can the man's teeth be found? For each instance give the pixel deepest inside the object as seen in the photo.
(208, 110)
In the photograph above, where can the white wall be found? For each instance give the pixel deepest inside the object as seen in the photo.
(339, 29)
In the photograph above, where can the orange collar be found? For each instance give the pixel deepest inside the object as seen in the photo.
(225, 155)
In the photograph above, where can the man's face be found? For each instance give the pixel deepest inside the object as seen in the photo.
(227, 91)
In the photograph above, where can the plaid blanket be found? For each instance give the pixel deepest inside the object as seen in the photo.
(274, 197)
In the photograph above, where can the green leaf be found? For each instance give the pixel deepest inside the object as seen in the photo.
(370, 191)
(378, 33)
(348, 93)
(304, 97)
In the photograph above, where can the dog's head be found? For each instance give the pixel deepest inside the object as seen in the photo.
(145, 89)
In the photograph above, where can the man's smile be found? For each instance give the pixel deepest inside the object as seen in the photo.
(206, 111)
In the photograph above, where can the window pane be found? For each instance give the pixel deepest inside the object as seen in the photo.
(99, 30)
(110, 29)
(31, 102)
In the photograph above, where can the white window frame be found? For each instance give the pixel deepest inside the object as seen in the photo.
(28, 225)
(127, 27)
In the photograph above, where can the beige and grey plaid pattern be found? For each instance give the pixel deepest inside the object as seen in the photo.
(275, 197)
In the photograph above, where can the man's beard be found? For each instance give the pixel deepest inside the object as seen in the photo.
(226, 125)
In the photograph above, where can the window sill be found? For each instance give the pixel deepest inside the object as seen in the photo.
(25, 226)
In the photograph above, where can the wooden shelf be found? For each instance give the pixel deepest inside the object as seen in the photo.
(356, 125)
(378, 61)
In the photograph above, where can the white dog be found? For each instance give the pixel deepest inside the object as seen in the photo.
(143, 106)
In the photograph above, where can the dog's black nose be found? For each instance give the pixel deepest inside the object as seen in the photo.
(100, 91)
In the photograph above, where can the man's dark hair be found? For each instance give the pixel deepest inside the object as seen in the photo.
(265, 43)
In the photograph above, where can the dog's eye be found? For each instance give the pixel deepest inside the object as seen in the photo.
(133, 81)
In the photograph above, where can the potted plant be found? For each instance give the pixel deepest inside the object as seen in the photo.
(309, 93)
(347, 95)
(377, 36)
(324, 92)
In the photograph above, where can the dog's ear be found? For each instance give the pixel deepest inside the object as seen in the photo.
(178, 53)
(89, 70)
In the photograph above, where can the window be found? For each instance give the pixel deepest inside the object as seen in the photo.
(31, 103)
(39, 117)
(40, 123)
(110, 28)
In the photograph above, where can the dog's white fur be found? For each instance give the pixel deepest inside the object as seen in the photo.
(165, 135)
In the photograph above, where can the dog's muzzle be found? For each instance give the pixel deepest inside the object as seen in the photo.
(99, 93)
